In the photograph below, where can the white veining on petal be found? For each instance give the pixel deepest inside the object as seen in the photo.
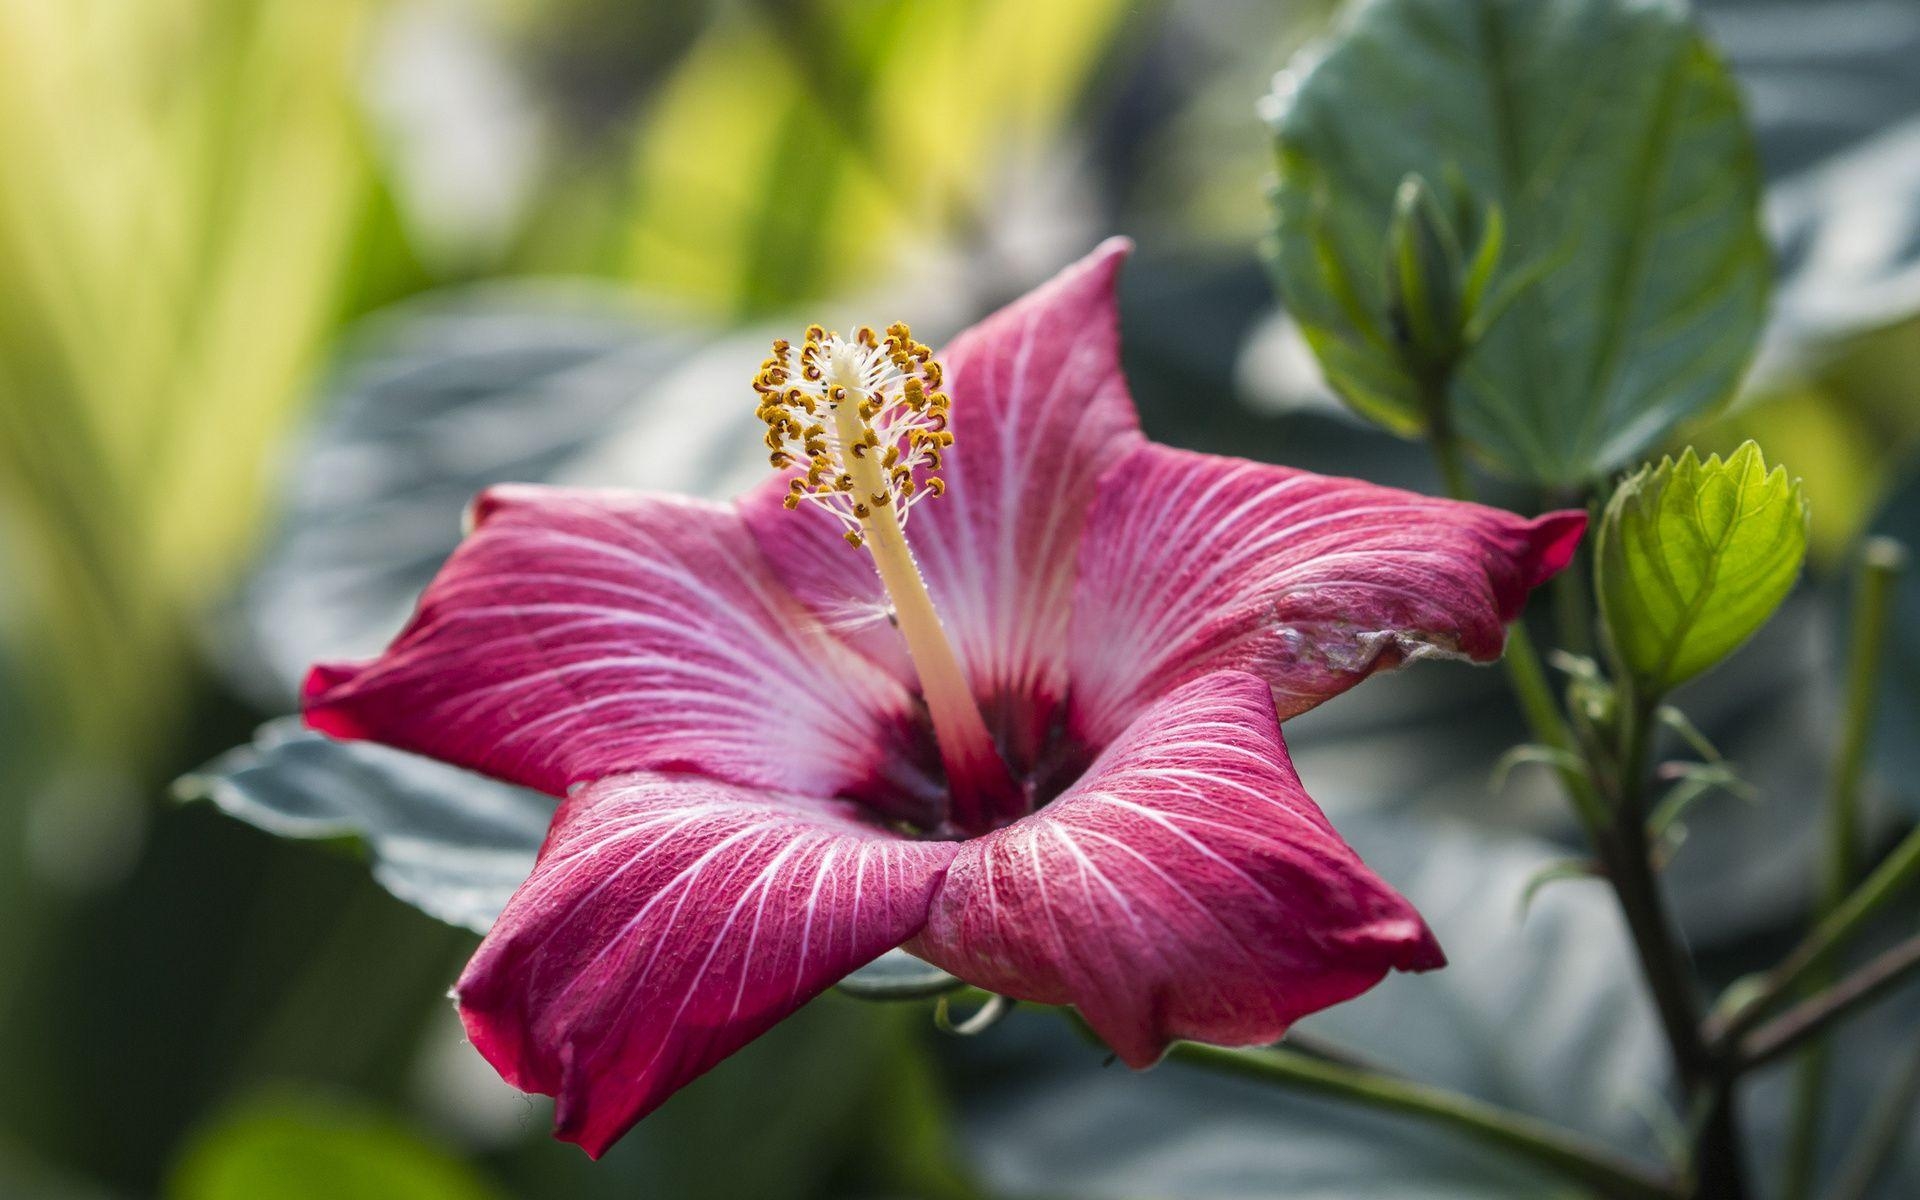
(669, 920)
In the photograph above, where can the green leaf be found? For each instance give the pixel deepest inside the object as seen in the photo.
(750, 198)
(434, 399)
(451, 843)
(1631, 278)
(1693, 557)
(301, 1149)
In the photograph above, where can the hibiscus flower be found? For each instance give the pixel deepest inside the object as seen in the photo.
(981, 672)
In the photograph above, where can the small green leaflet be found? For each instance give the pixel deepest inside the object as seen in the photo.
(1693, 557)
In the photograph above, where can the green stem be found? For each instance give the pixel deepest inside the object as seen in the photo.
(1446, 454)
(1618, 832)
(1621, 844)
(1813, 1017)
(1528, 678)
(1628, 858)
(1880, 564)
(1747, 1005)
(1567, 1155)
(1525, 672)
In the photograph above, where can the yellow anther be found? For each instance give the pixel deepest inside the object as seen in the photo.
(853, 539)
(857, 420)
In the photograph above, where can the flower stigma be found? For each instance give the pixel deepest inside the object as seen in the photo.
(862, 423)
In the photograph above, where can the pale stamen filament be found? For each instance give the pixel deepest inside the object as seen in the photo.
(866, 424)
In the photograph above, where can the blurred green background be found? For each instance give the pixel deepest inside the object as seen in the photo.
(282, 282)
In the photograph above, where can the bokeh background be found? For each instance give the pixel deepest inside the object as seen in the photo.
(283, 282)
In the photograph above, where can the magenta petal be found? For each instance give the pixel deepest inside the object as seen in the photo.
(1040, 409)
(671, 920)
(581, 634)
(1185, 887)
(1196, 563)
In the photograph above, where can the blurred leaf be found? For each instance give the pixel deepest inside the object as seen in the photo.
(1853, 420)
(1692, 558)
(1821, 77)
(1834, 90)
(453, 844)
(1633, 277)
(1521, 1010)
(303, 1149)
(802, 1098)
(844, 150)
(1866, 1052)
(431, 402)
(21, 1175)
(165, 280)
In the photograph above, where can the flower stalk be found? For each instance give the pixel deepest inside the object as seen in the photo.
(1746, 1005)
(1881, 562)
(1813, 1017)
(1528, 1139)
(1612, 808)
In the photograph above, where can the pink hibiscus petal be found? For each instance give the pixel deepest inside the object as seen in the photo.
(1040, 410)
(669, 921)
(1185, 887)
(580, 634)
(1195, 563)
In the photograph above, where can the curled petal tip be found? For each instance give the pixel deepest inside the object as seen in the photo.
(1556, 537)
(323, 682)
(1103, 261)
(1422, 953)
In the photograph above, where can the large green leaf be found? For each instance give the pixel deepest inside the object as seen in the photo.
(298, 1149)
(1632, 275)
(1693, 558)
